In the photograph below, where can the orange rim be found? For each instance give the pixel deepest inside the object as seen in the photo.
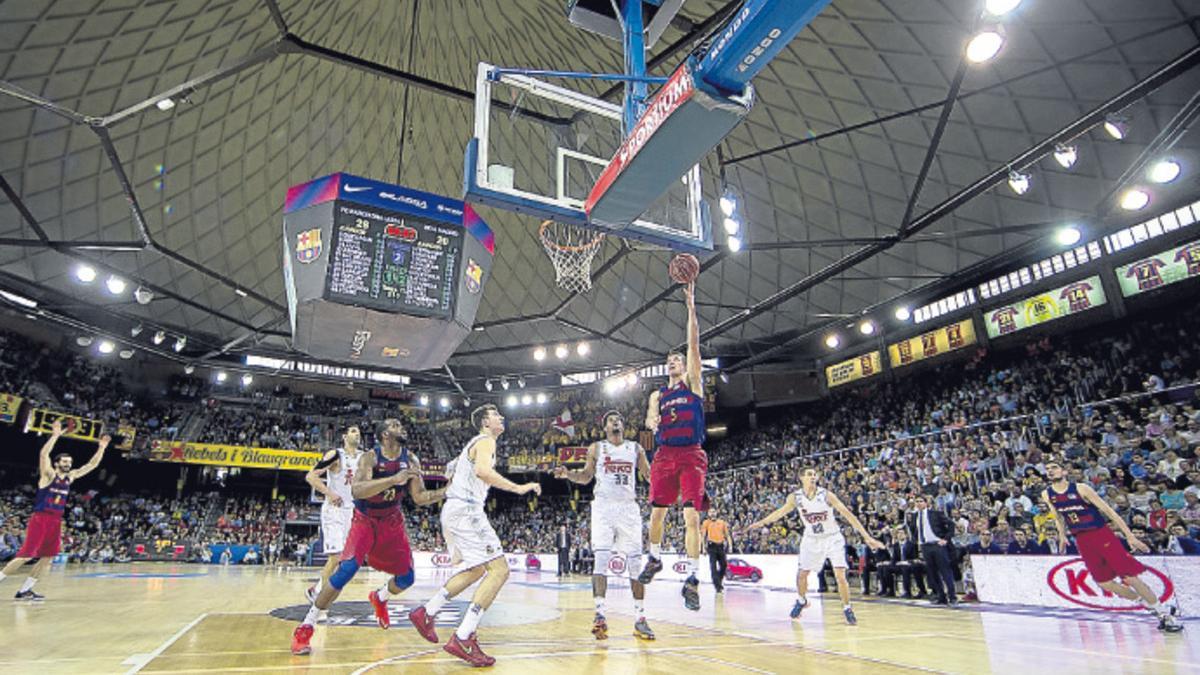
(565, 247)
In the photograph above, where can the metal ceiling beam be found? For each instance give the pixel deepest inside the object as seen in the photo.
(276, 16)
(110, 246)
(935, 142)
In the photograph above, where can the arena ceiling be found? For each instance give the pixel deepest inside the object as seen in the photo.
(188, 201)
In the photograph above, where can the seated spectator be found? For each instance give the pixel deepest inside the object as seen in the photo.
(1023, 545)
(986, 545)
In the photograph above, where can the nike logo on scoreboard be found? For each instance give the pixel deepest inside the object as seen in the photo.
(356, 188)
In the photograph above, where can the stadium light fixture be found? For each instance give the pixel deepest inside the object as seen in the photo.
(84, 340)
(867, 327)
(521, 382)
(613, 385)
(985, 45)
(903, 313)
(85, 274)
(222, 376)
(539, 354)
(511, 401)
(735, 243)
(143, 295)
(732, 225)
(1066, 155)
(1135, 199)
(833, 341)
(1068, 236)
(165, 104)
(136, 330)
(180, 343)
(1116, 125)
(541, 399)
(125, 354)
(115, 285)
(189, 369)
(583, 349)
(1019, 182)
(159, 337)
(526, 400)
(1165, 171)
(561, 351)
(729, 202)
(487, 384)
(504, 383)
(631, 380)
(105, 347)
(19, 300)
(1000, 7)
(424, 399)
(247, 380)
(445, 403)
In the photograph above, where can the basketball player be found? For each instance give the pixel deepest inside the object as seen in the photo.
(377, 531)
(676, 416)
(616, 519)
(1078, 509)
(337, 466)
(822, 539)
(43, 534)
(470, 537)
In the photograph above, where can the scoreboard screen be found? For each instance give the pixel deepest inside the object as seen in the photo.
(393, 262)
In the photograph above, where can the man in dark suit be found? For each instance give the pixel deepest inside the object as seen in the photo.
(562, 541)
(902, 559)
(932, 530)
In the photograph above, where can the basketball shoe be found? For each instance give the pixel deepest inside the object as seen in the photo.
(468, 650)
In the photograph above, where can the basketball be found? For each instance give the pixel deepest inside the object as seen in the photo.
(684, 268)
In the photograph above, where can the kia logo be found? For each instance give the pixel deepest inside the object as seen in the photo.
(1072, 581)
(616, 564)
(680, 567)
(441, 560)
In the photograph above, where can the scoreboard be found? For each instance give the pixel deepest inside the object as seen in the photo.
(381, 274)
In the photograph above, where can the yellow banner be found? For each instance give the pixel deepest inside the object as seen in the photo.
(934, 343)
(232, 455)
(856, 368)
(42, 421)
(10, 405)
(125, 435)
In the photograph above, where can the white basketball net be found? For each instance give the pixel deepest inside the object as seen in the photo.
(571, 249)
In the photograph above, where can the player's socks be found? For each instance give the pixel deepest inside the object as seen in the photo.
(655, 550)
(599, 600)
(639, 608)
(311, 618)
(28, 585)
(470, 622)
(316, 590)
(437, 602)
(693, 564)
(383, 592)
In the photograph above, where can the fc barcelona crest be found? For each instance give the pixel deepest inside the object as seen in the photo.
(308, 245)
(474, 276)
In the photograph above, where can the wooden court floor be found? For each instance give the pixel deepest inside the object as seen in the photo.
(162, 618)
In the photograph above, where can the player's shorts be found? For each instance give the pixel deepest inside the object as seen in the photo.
(379, 541)
(1105, 557)
(678, 472)
(43, 536)
(468, 534)
(335, 527)
(617, 527)
(815, 550)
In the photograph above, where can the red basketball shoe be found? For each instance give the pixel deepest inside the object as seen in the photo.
(423, 623)
(468, 650)
(381, 613)
(300, 639)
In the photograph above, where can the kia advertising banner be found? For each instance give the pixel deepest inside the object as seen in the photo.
(1055, 581)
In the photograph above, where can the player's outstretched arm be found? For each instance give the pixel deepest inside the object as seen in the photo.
(1096, 500)
(849, 517)
(313, 477)
(695, 382)
(362, 487)
(45, 466)
(788, 507)
(485, 460)
(416, 486)
(94, 461)
(584, 475)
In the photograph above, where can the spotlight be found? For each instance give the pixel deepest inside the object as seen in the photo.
(985, 46)
(539, 354)
(521, 382)
(125, 354)
(728, 202)
(1165, 171)
(1066, 155)
(504, 383)
(832, 341)
(903, 313)
(732, 226)
(583, 349)
(247, 379)
(613, 385)
(487, 384)
(19, 299)
(222, 376)
(1019, 182)
(143, 295)
(115, 285)
(180, 343)
(105, 347)
(724, 377)
(1116, 125)
(424, 399)
(1068, 236)
(189, 369)
(444, 402)
(541, 399)
(1000, 7)
(866, 327)
(1135, 199)
(561, 351)
(159, 337)
(466, 401)
(136, 330)
(526, 399)
(735, 244)
(84, 340)
(165, 104)
(85, 273)
(631, 380)
(511, 401)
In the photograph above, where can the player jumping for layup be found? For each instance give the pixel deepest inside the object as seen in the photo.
(822, 539)
(676, 416)
(337, 466)
(43, 534)
(470, 537)
(377, 533)
(1078, 509)
(616, 518)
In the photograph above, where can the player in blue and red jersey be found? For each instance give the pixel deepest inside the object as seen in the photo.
(377, 535)
(1078, 509)
(43, 534)
(676, 416)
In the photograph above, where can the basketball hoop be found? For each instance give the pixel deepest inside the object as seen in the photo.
(571, 249)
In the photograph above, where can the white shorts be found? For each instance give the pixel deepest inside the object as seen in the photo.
(468, 534)
(335, 527)
(814, 550)
(617, 527)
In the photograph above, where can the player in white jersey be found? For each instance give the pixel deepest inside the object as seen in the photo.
(337, 467)
(822, 539)
(616, 519)
(470, 537)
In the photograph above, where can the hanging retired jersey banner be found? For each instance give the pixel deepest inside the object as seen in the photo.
(857, 368)
(1056, 303)
(10, 405)
(82, 428)
(934, 343)
(1160, 269)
